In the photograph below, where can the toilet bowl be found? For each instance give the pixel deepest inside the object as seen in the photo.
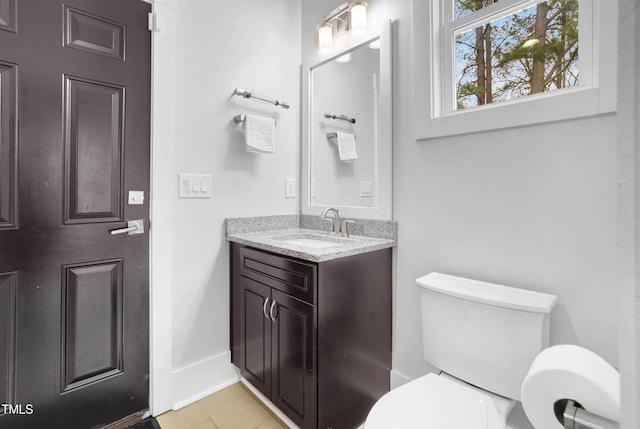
(439, 402)
(483, 337)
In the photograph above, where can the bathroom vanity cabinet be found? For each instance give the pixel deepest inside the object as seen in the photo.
(315, 338)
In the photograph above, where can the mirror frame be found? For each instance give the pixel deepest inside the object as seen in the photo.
(384, 185)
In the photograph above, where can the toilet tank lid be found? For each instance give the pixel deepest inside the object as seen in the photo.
(488, 293)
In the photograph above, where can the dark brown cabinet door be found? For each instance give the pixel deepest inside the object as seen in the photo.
(257, 335)
(273, 334)
(293, 352)
(74, 139)
(277, 350)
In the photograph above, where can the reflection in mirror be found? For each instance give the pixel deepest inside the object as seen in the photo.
(343, 129)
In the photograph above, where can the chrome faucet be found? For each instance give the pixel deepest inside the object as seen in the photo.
(336, 228)
(335, 222)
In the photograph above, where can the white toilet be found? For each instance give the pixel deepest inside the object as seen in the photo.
(484, 338)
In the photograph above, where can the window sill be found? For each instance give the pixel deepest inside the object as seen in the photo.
(544, 108)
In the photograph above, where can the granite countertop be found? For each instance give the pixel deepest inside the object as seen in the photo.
(282, 241)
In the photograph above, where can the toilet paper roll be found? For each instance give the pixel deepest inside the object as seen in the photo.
(570, 372)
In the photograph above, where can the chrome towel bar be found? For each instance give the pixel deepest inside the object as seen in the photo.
(340, 117)
(334, 135)
(248, 94)
(238, 119)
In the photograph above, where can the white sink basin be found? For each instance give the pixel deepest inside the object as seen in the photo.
(310, 242)
(314, 241)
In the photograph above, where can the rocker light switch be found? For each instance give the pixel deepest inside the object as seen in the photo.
(194, 185)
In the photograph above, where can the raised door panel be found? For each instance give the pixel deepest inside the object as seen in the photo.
(293, 359)
(8, 15)
(92, 33)
(94, 151)
(257, 331)
(8, 147)
(92, 317)
(8, 289)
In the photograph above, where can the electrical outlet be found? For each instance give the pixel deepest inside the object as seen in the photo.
(366, 189)
(289, 188)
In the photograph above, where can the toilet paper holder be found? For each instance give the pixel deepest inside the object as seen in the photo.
(573, 416)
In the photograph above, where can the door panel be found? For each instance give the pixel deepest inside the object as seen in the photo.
(92, 323)
(81, 295)
(8, 17)
(94, 34)
(8, 147)
(293, 340)
(8, 285)
(257, 350)
(93, 120)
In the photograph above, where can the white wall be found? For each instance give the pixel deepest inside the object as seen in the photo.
(219, 46)
(629, 210)
(533, 207)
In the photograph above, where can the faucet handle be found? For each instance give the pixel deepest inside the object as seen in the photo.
(345, 226)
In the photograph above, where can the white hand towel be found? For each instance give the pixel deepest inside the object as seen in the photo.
(259, 134)
(346, 147)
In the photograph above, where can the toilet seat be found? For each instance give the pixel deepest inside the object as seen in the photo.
(439, 402)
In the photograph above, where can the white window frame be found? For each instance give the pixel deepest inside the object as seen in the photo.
(434, 71)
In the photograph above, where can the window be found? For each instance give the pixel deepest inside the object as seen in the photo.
(501, 63)
(510, 54)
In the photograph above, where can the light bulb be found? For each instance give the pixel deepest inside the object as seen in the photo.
(358, 13)
(325, 38)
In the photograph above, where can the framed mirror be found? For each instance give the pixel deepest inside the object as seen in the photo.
(347, 155)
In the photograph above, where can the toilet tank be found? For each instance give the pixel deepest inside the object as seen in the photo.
(483, 333)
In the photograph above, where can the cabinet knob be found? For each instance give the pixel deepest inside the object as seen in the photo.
(264, 307)
(273, 307)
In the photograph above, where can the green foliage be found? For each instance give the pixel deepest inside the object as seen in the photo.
(467, 90)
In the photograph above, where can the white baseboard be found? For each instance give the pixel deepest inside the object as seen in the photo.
(201, 379)
(396, 379)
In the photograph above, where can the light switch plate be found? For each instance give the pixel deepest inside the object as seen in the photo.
(194, 185)
(290, 188)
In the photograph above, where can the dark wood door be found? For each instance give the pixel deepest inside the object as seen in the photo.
(74, 140)
(256, 360)
(292, 358)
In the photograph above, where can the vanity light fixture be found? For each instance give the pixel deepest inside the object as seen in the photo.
(348, 17)
(358, 15)
(325, 38)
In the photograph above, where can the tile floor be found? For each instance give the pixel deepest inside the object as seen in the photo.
(230, 408)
